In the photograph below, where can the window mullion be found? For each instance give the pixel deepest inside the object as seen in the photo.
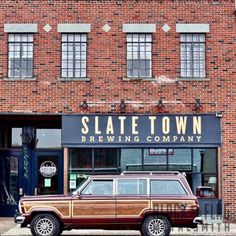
(20, 69)
(74, 58)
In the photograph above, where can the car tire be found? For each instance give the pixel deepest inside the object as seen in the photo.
(45, 225)
(156, 226)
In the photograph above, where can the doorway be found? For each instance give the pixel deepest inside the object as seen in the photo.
(11, 181)
(48, 172)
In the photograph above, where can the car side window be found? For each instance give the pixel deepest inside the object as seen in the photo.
(99, 187)
(132, 186)
(167, 187)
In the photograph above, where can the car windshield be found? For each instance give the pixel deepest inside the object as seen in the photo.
(79, 186)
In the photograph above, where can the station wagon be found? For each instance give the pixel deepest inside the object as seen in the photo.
(151, 202)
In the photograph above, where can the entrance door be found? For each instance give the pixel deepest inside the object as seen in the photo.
(11, 181)
(48, 169)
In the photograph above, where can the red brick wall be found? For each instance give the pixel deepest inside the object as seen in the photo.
(106, 64)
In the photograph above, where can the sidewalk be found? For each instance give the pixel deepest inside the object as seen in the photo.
(8, 228)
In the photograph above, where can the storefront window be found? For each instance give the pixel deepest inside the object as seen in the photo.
(155, 159)
(16, 140)
(130, 159)
(48, 138)
(200, 165)
(81, 160)
(105, 160)
(180, 160)
(204, 168)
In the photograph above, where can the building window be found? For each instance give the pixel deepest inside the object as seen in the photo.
(48, 138)
(16, 140)
(139, 55)
(20, 55)
(74, 47)
(192, 55)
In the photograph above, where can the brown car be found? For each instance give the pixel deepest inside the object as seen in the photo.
(151, 202)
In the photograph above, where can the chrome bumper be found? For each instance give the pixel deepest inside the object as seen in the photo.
(19, 219)
(198, 220)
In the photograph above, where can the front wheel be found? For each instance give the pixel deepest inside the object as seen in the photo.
(156, 226)
(45, 225)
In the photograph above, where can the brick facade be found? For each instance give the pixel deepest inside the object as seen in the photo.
(106, 64)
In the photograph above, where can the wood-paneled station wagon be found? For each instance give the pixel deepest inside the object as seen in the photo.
(151, 202)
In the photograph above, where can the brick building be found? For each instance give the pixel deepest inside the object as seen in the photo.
(91, 87)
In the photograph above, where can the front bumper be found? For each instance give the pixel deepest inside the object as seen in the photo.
(18, 218)
(198, 221)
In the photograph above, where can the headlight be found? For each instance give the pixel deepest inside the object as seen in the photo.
(19, 207)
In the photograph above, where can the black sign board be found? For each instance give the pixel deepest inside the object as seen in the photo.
(179, 130)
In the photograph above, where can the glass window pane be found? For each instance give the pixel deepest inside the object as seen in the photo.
(148, 38)
(83, 73)
(102, 187)
(167, 187)
(204, 160)
(99, 187)
(129, 37)
(17, 38)
(16, 140)
(105, 160)
(48, 138)
(135, 37)
(84, 37)
(132, 186)
(130, 159)
(9, 181)
(30, 37)
(64, 37)
(180, 160)
(155, 159)
(11, 38)
(80, 160)
(64, 73)
(70, 37)
(77, 37)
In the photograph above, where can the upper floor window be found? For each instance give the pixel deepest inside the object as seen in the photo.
(74, 47)
(20, 55)
(139, 55)
(192, 55)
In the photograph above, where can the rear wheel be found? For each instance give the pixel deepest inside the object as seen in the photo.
(45, 225)
(156, 226)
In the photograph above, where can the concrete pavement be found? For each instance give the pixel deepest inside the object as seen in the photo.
(6, 224)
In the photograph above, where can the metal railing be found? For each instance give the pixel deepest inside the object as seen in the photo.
(151, 172)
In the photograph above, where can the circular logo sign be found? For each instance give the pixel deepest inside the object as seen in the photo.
(48, 169)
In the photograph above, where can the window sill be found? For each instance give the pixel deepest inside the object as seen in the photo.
(74, 79)
(139, 79)
(193, 79)
(19, 79)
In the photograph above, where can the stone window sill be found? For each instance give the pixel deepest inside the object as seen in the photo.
(19, 79)
(74, 79)
(139, 79)
(193, 79)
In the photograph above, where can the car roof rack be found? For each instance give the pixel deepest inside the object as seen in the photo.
(151, 172)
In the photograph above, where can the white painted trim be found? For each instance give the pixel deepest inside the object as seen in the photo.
(74, 28)
(20, 28)
(139, 28)
(192, 28)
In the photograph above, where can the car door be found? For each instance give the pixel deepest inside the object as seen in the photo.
(131, 200)
(95, 204)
